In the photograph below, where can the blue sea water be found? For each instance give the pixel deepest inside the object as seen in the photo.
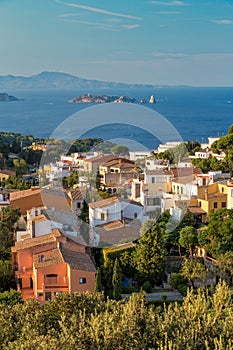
(196, 113)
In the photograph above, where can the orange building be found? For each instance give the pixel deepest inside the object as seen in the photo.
(51, 264)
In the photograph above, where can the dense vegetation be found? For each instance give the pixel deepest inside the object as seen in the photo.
(88, 322)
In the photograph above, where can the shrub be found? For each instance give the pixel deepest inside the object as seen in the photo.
(147, 287)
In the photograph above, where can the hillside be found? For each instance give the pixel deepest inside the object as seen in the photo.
(56, 80)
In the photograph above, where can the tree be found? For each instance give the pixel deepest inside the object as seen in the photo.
(8, 217)
(193, 269)
(225, 265)
(116, 280)
(120, 150)
(5, 275)
(72, 179)
(20, 166)
(188, 238)
(230, 130)
(220, 232)
(98, 283)
(150, 255)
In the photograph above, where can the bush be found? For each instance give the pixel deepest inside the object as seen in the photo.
(128, 289)
(147, 287)
(179, 282)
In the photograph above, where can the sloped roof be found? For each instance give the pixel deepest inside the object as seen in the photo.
(7, 172)
(32, 242)
(77, 194)
(77, 260)
(51, 257)
(120, 163)
(104, 202)
(100, 159)
(159, 172)
(116, 235)
(36, 197)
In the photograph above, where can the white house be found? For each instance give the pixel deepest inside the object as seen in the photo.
(112, 209)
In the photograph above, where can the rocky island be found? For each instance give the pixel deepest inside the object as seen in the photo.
(4, 97)
(88, 98)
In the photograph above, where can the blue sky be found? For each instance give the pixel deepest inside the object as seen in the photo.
(138, 41)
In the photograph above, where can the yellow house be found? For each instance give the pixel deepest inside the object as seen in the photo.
(230, 194)
(5, 174)
(212, 197)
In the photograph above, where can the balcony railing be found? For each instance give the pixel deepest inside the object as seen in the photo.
(55, 281)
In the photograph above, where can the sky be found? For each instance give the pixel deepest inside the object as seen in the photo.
(164, 42)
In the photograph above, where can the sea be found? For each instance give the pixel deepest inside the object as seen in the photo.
(196, 113)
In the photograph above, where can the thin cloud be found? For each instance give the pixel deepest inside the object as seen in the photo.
(129, 26)
(98, 10)
(215, 55)
(101, 25)
(168, 55)
(169, 3)
(222, 21)
(168, 12)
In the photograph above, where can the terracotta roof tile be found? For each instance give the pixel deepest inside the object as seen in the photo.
(51, 257)
(77, 260)
(104, 202)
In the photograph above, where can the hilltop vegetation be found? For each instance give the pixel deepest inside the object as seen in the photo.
(88, 322)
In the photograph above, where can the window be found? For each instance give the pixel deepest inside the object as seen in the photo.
(78, 205)
(153, 201)
(82, 280)
(48, 295)
(41, 258)
(222, 189)
(224, 204)
(215, 205)
(181, 190)
(135, 215)
(231, 193)
(51, 275)
(152, 180)
(102, 217)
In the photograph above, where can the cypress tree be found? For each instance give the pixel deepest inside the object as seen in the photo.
(116, 281)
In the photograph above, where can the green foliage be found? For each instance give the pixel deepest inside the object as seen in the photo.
(225, 266)
(116, 280)
(8, 217)
(98, 282)
(20, 166)
(188, 238)
(84, 145)
(192, 269)
(120, 150)
(11, 297)
(230, 130)
(179, 282)
(220, 232)
(147, 287)
(150, 255)
(16, 183)
(192, 146)
(211, 163)
(5, 275)
(72, 179)
(87, 322)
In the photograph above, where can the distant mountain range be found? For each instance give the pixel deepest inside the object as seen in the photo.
(56, 80)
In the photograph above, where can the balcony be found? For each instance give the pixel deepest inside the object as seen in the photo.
(55, 281)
